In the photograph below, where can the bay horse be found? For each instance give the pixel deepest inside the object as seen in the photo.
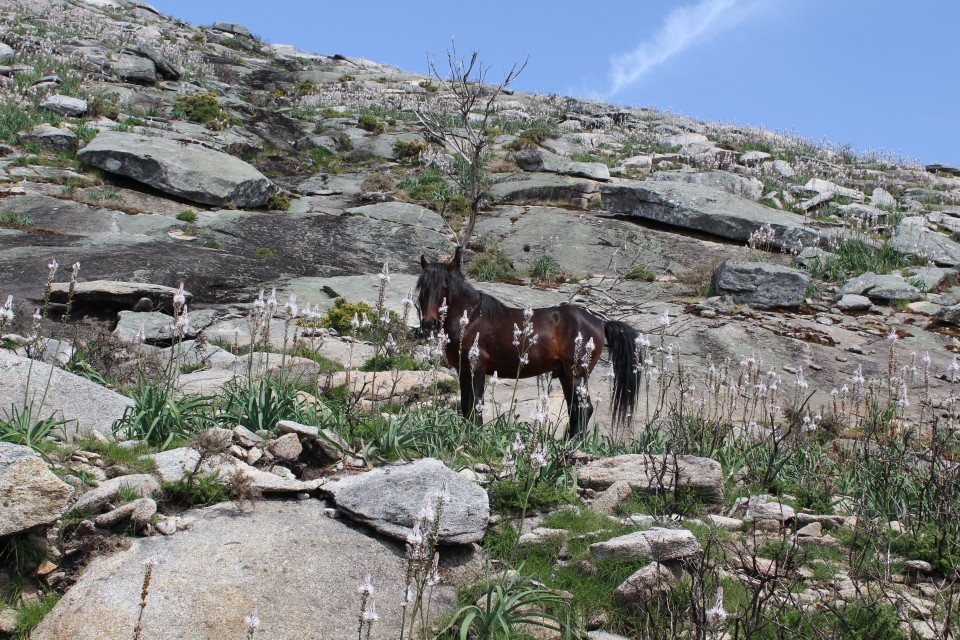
(564, 341)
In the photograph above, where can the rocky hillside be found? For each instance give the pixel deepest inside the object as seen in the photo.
(790, 470)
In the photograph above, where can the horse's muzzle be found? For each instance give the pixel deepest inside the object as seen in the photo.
(428, 326)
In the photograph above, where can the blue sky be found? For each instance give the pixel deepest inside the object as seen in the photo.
(874, 74)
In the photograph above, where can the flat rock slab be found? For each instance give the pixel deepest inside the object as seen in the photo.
(65, 105)
(30, 494)
(187, 171)
(542, 187)
(298, 568)
(911, 236)
(705, 210)
(158, 328)
(402, 213)
(388, 499)
(655, 473)
(49, 138)
(83, 404)
(114, 295)
(761, 284)
(749, 188)
(330, 184)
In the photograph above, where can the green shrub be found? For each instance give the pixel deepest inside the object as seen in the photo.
(531, 138)
(305, 87)
(371, 123)
(641, 273)
(203, 108)
(266, 252)
(187, 216)
(12, 220)
(346, 77)
(490, 266)
(106, 105)
(278, 202)
(409, 152)
(341, 314)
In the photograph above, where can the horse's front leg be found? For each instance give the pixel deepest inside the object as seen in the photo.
(471, 395)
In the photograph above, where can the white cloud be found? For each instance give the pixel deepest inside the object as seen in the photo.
(683, 28)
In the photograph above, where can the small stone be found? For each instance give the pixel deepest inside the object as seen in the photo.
(245, 438)
(651, 582)
(812, 530)
(282, 472)
(655, 544)
(920, 566)
(167, 526)
(286, 447)
(331, 512)
(143, 511)
(254, 454)
(46, 567)
(8, 620)
(289, 426)
(65, 105)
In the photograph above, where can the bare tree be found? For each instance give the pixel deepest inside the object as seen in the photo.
(459, 119)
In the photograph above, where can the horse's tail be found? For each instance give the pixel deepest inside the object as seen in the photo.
(621, 340)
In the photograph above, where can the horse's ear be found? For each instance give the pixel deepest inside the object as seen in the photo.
(423, 262)
(457, 260)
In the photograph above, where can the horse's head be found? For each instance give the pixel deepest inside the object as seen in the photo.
(434, 288)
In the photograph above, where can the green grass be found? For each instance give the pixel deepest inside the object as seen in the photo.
(400, 362)
(32, 613)
(113, 453)
(203, 489)
(326, 364)
(507, 495)
(641, 274)
(12, 220)
(266, 252)
(853, 257)
(324, 160)
(546, 269)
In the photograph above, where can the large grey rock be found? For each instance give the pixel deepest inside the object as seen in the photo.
(648, 583)
(114, 295)
(943, 168)
(913, 236)
(231, 27)
(539, 187)
(404, 213)
(30, 494)
(158, 328)
(65, 105)
(705, 210)
(49, 138)
(134, 68)
(187, 171)
(744, 187)
(388, 499)
(540, 160)
(657, 544)
(655, 473)
(882, 198)
(761, 284)
(782, 169)
(753, 158)
(6, 53)
(297, 567)
(97, 498)
(163, 66)
(853, 302)
(825, 186)
(83, 404)
(881, 287)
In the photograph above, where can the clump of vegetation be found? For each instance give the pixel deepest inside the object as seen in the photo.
(266, 252)
(378, 182)
(531, 138)
(106, 105)
(324, 160)
(546, 269)
(385, 362)
(187, 216)
(641, 274)
(203, 108)
(409, 152)
(305, 87)
(346, 77)
(853, 257)
(371, 123)
(278, 202)
(492, 265)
